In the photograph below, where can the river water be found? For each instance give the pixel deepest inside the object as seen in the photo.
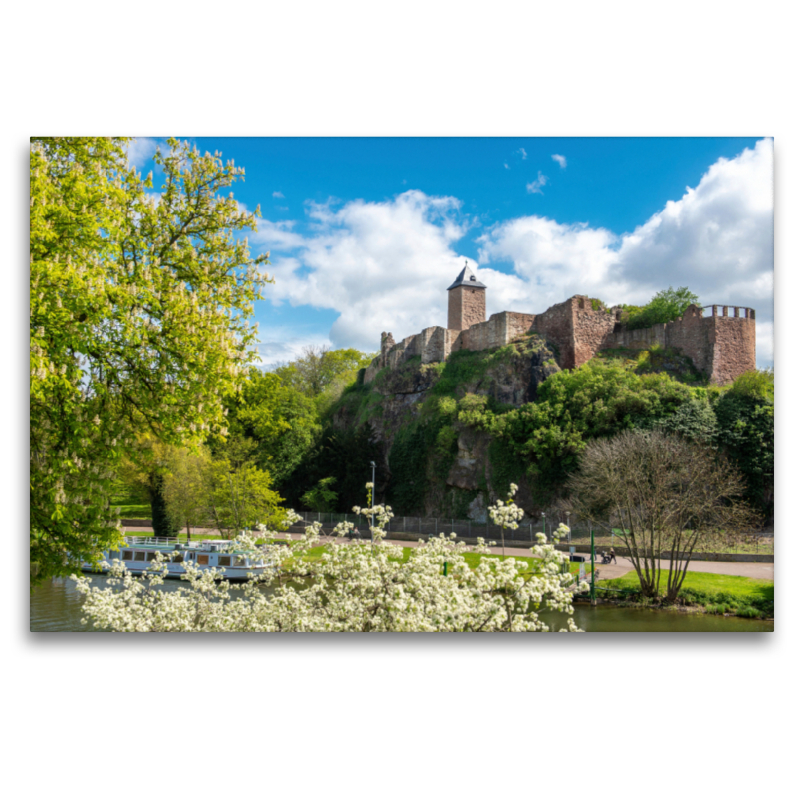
(56, 606)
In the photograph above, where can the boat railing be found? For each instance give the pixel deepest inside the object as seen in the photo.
(150, 540)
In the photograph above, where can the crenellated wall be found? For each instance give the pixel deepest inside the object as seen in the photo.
(720, 343)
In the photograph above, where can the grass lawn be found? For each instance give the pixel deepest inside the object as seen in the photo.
(130, 504)
(315, 553)
(718, 594)
(707, 582)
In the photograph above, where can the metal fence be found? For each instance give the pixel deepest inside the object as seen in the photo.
(427, 527)
(465, 528)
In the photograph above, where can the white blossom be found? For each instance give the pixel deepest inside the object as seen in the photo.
(352, 586)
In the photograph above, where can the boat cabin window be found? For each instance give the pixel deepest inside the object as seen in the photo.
(241, 561)
(224, 561)
(112, 554)
(139, 556)
(127, 555)
(202, 558)
(177, 557)
(151, 556)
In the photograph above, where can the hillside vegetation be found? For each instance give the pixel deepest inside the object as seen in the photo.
(449, 438)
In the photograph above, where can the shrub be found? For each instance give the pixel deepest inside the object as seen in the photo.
(666, 306)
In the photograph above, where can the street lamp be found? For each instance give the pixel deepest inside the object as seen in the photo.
(372, 493)
(569, 535)
(543, 528)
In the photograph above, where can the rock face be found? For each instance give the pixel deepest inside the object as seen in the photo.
(399, 398)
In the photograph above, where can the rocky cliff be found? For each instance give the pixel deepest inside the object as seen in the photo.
(435, 465)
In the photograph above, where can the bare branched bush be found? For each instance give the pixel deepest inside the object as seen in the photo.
(662, 495)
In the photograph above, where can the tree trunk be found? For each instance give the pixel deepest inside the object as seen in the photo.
(162, 525)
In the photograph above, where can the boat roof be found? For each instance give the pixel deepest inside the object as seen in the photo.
(230, 545)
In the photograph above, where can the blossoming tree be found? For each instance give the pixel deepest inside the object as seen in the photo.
(336, 585)
(139, 320)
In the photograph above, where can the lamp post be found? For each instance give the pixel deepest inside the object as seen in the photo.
(543, 528)
(569, 535)
(372, 494)
(594, 597)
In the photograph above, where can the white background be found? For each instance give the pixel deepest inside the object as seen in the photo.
(651, 716)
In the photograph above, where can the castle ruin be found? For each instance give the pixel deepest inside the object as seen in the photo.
(721, 344)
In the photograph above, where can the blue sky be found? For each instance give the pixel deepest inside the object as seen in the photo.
(365, 234)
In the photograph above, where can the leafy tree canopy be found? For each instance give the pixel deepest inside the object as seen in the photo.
(746, 432)
(666, 306)
(596, 400)
(322, 497)
(322, 374)
(281, 421)
(139, 320)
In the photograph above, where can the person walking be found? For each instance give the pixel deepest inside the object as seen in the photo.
(611, 554)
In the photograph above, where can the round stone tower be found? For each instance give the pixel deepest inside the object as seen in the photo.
(466, 301)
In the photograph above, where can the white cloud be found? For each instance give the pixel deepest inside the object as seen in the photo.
(717, 240)
(281, 343)
(551, 262)
(278, 194)
(535, 186)
(385, 266)
(522, 153)
(560, 160)
(506, 165)
(277, 235)
(140, 150)
(382, 266)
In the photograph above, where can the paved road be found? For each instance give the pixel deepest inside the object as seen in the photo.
(764, 571)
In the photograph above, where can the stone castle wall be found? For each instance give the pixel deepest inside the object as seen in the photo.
(720, 343)
(498, 330)
(734, 341)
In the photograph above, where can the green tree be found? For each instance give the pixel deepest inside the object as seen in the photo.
(240, 497)
(322, 374)
(322, 497)
(694, 420)
(746, 433)
(143, 468)
(666, 306)
(341, 454)
(596, 400)
(139, 308)
(281, 421)
(186, 491)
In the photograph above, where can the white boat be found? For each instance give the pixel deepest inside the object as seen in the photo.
(140, 551)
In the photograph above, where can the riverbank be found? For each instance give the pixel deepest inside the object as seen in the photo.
(707, 593)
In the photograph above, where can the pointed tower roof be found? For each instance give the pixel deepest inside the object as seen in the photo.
(466, 278)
